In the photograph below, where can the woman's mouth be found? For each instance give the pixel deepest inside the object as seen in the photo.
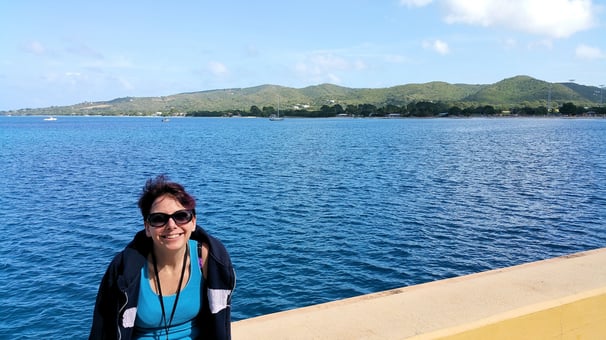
(172, 236)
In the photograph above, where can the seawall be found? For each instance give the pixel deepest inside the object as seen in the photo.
(558, 298)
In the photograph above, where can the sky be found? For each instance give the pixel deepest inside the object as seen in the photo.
(66, 52)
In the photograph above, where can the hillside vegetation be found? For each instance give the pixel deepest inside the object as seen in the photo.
(519, 91)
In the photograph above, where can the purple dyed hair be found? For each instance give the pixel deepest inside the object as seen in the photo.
(160, 186)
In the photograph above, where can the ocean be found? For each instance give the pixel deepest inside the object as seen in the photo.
(311, 210)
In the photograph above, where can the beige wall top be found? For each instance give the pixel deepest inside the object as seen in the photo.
(430, 307)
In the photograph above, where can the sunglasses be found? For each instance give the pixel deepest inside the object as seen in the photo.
(158, 220)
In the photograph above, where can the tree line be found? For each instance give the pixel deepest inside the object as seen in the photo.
(412, 109)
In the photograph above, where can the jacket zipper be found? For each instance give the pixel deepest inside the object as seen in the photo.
(120, 313)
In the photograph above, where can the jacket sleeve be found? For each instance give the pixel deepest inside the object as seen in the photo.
(218, 289)
(103, 323)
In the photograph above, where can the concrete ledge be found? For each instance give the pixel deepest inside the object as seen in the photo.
(559, 298)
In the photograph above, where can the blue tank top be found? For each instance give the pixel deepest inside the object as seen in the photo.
(149, 324)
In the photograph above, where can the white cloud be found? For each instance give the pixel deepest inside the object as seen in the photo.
(321, 67)
(251, 51)
(35, 47)
(510, 43)
(324, 63)
(126, 85)
(437, 46)
(333, 78)
(551, 18)
(327, 61)
(415, 3)
(589, 53)
(217, 68)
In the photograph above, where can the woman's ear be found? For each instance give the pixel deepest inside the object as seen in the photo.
(147, 229)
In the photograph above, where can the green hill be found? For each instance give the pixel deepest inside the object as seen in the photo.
(524, 90)
(512, 92)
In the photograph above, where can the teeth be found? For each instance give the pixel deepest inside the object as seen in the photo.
(172, 236)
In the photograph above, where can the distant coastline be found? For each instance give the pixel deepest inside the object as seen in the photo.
(516, 96)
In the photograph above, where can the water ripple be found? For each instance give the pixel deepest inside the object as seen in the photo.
(311, 210)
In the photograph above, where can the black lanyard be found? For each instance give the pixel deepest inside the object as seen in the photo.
(172, 314)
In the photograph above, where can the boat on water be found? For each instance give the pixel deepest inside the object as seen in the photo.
(51, 118)
(276, 117)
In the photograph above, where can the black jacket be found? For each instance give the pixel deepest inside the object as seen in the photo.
(116, 305)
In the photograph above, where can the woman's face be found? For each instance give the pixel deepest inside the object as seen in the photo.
(172, 236)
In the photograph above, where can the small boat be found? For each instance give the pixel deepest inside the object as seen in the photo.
(276, 117)
(165, 120)
(51, 118)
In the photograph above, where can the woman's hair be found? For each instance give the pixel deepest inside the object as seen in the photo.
(160, 186)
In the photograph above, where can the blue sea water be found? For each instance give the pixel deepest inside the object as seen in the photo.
(311, 210)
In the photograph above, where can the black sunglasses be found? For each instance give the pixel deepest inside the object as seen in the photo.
(158, 220)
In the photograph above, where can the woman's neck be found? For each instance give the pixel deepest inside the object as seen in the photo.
(169, 260)
(169, 270)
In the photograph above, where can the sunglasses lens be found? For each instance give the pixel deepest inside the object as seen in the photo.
(182, 217)
(158, 219)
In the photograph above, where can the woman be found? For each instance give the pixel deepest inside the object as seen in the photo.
(172, 281)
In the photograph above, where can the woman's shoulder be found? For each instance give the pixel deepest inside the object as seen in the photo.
(131, 258)
(215, 247)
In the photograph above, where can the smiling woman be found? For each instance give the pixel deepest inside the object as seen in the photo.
(172, 280)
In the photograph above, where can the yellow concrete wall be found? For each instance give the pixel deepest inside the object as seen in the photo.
(559, 298)
(581, 316)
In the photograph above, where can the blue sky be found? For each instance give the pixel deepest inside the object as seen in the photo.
(68, 52)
